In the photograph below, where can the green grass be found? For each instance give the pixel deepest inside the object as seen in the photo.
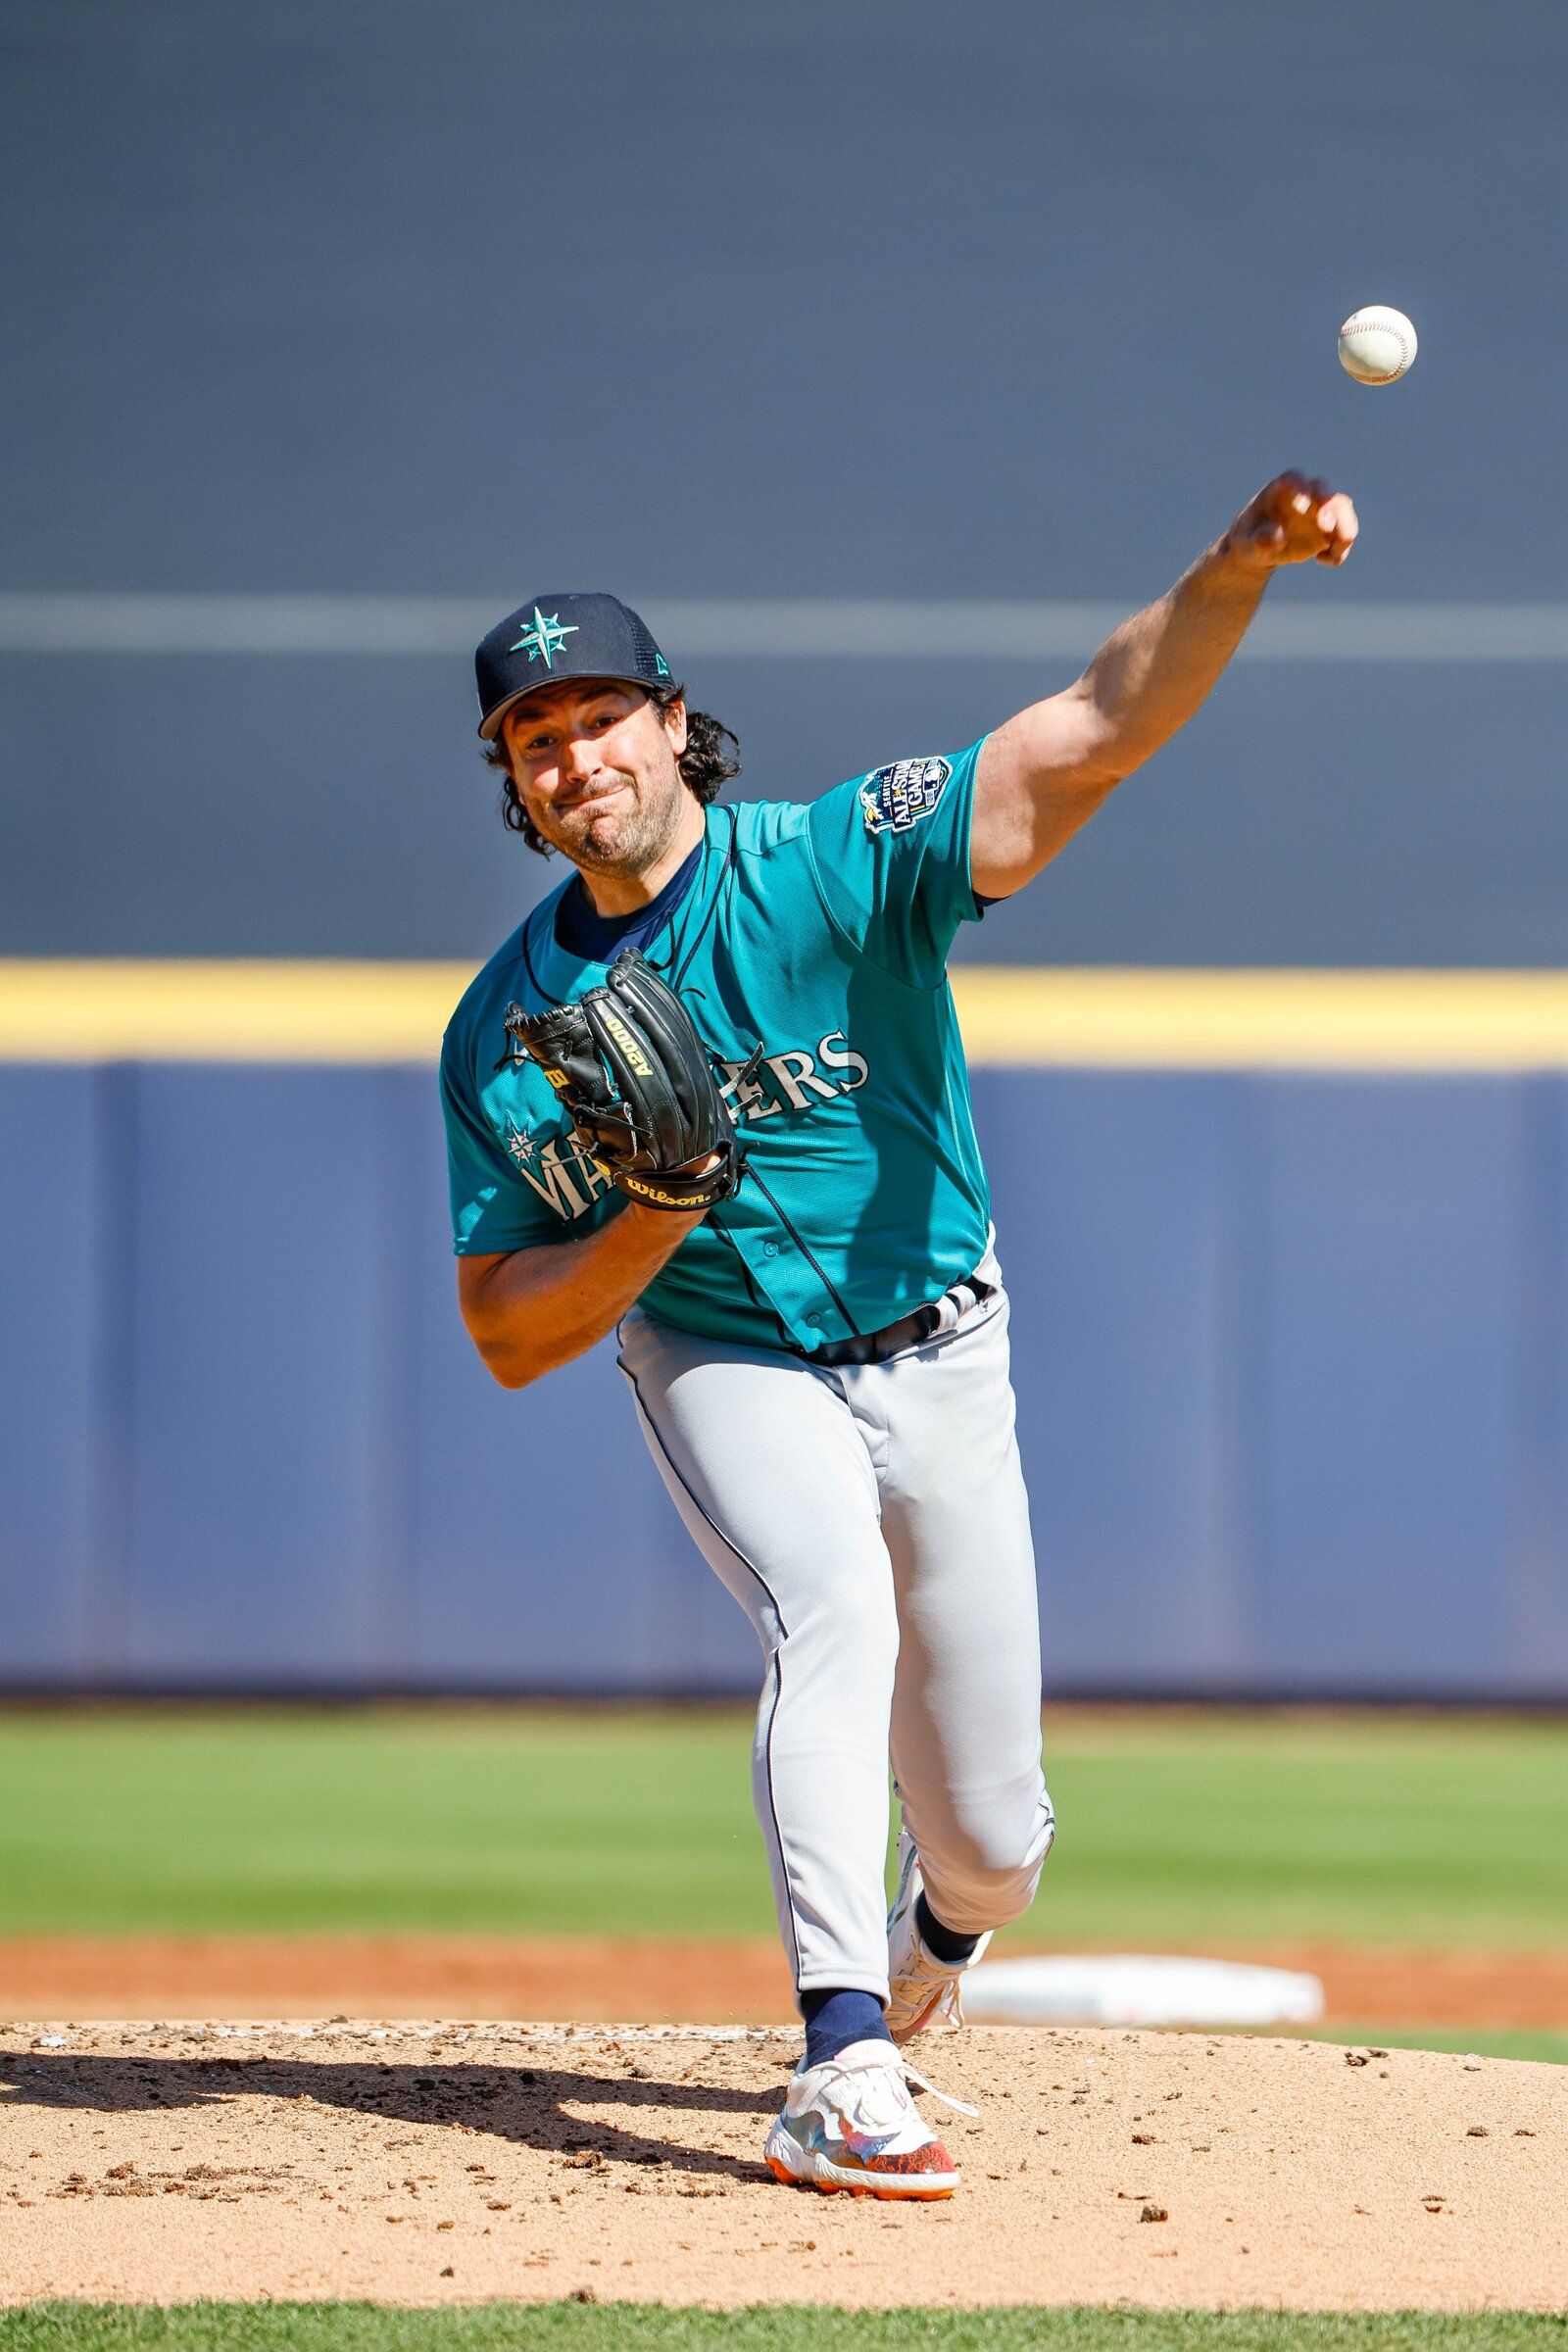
(1442, 1829)
(652, 2327)
(190, 1819)
(1551, 2049)
(1173, 1828)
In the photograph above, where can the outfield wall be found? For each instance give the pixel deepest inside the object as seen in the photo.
(883, 356)
(1292, 1358)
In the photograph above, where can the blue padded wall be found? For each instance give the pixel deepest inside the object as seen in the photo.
(1384, 1324)
(1290, 1354)
(58, 1423)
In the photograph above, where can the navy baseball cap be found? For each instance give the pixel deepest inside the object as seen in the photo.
(562, 636)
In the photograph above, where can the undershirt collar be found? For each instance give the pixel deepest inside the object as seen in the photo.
(580, 930)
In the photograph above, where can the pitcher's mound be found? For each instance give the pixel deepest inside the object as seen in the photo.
(450, 2163)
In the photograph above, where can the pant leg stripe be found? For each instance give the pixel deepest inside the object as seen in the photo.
(775, 1660)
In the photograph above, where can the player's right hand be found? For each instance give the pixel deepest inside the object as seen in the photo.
(1292, 518)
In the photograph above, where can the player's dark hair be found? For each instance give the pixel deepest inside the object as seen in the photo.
(706, 765)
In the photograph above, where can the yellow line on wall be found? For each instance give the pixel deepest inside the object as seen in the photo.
(1087, 1017)
(234, 1010)
(1347, 1021)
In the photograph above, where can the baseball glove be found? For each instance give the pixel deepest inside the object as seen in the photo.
(629, 1068)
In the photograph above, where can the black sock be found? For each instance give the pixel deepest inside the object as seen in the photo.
(941, 1941)
(835, 2016)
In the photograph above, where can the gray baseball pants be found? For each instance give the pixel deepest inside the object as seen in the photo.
(871, 1520)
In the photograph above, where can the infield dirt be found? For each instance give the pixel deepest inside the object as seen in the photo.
(423, 2163)
(739, 1980)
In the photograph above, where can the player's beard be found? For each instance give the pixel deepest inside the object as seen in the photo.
(623, 838)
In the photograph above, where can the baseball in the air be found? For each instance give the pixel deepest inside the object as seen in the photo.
(1377, 345)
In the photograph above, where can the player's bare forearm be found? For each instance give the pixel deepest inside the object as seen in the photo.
(1045, 773)
(529, 1311)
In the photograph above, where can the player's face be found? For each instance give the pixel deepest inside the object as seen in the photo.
(595, 766)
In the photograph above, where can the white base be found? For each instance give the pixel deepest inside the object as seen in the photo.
(1129, 1988)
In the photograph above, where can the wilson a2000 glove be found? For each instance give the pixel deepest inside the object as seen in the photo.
(631, 1071)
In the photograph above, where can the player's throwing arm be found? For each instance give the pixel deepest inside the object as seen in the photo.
(1046, 772)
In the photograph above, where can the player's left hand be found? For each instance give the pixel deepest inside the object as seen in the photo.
(1292, 517)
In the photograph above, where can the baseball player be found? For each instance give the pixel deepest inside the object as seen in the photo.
(711, 1095)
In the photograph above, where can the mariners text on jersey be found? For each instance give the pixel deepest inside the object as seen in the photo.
(810, 950)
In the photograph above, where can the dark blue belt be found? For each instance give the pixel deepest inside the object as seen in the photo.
(875, 1346)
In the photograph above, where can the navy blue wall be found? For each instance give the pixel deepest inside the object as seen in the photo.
(1292, 1358)
(707, 299)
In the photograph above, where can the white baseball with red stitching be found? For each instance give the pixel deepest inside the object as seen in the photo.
(1377, 345)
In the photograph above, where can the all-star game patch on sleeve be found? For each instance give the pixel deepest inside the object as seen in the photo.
(891, 854)
(493, 1207)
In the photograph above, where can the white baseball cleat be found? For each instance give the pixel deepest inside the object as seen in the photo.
(850, 2123)
(923, 1992)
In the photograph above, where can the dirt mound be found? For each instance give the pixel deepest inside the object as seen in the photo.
(728, 1981)
(453, 2163)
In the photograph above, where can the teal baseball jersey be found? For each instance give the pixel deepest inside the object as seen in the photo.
(811, 952)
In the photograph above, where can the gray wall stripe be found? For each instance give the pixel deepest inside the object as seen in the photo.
(826, 628)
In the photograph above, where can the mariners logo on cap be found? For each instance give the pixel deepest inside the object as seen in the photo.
(544, 638)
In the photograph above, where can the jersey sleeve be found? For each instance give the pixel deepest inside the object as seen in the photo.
(492, 1207)
(891, 854)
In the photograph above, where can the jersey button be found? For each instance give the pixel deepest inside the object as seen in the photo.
(770, 1249)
